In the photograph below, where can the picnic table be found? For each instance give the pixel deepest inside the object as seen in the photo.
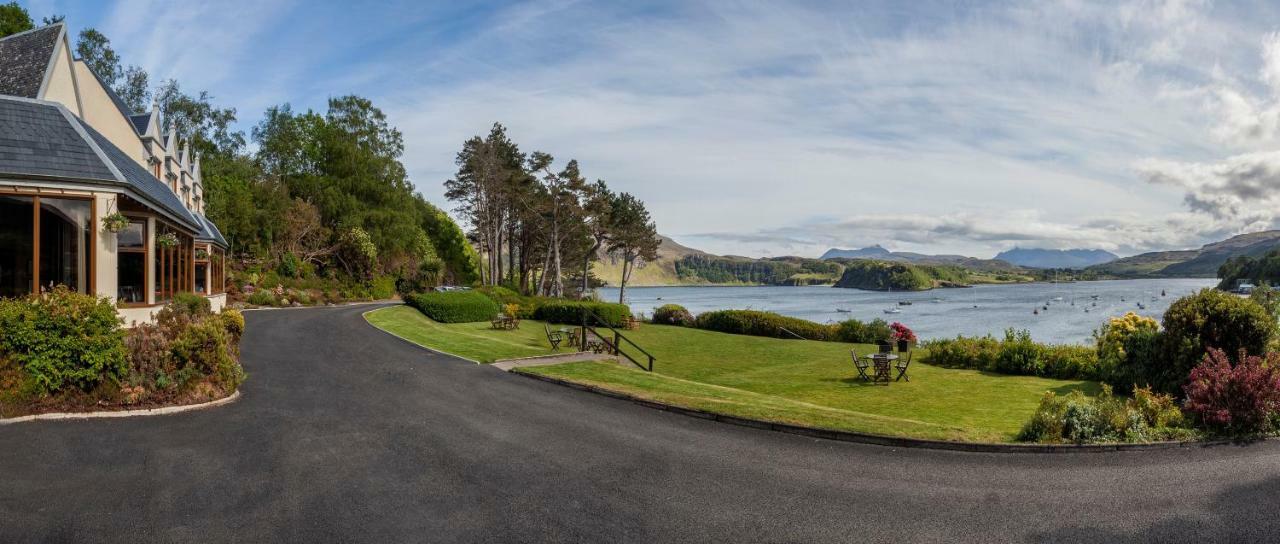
(505, 322)
(881, 365)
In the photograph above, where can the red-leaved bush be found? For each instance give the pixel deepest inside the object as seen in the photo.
(1236, 398)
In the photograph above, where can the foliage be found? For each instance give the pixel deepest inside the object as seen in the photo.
(63, 339)
(901, 333)
(455, 306)
(184, 347)
(758, 323)
(262, 297)
(1239, 399)
(115, 222)
(14, 19)
(672, 314)
(1017, 353)
(1263, 269)
(886, 275)
(570, 311)
(774, 271)
(858, 332)
(1208, 319)
(1079, 419)
(191, 304)
(1128, 349)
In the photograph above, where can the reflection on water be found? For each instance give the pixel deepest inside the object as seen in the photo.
(1073, 311)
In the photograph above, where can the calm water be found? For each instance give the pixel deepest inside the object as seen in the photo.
(942, 312)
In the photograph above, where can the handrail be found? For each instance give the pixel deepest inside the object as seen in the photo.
(784, 329)
(615, 345)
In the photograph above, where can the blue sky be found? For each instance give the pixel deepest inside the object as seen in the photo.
(771, 128)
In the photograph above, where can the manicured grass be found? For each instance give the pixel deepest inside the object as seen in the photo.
(476, 341)
(792, 381)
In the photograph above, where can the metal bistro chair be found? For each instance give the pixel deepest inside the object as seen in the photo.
(861, 364)
(553, 337)
(904, 361)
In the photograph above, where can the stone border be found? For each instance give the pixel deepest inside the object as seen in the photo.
(163, 410)
(878, 439)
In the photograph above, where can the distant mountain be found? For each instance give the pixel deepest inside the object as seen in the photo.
(873, 252)
(1203, 262)
(1056, 258)
(661, 271)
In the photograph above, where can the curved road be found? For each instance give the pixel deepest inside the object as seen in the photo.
(347, 434)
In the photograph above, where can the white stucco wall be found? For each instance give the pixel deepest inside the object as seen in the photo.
(101, 113)
(106, 278)
(62, 84)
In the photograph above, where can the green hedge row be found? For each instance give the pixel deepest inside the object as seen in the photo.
(757, 323)
(570, 311)
(455, 306)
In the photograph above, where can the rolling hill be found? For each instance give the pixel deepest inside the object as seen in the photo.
(1203, 262)
(1056, 258)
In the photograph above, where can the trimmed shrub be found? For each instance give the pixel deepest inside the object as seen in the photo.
(857, 332)
(570, 311)
(672, 314)
(1239, 399)
(191, 304)
(1208, 319)
(63, 339)
(757, 323)
(455, 306)
(1105, 418)
(202, 348)
(976, 352)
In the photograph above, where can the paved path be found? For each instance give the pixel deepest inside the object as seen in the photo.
(347, 434)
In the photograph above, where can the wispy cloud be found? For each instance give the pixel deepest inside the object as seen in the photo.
(761, 127)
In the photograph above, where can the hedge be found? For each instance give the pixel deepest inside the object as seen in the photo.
(63, 339)
(758, 323)
(570, 311)
(455, 306)
(673, 314)
(1016, 354)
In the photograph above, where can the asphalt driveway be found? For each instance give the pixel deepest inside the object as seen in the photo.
(347, 434)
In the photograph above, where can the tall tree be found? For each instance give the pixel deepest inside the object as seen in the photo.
(134, 88)
(14, 19)
(597, 207)
(562, 210)
(487, 169)
(634, 237)
(95, 49)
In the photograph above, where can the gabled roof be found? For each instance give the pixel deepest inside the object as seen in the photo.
(123, 108)
(42, 140)
(140, 123)
(25, 58)
(210, 233)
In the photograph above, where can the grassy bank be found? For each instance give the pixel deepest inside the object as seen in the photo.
(791, 381)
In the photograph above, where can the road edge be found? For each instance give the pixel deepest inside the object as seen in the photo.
(161, 411)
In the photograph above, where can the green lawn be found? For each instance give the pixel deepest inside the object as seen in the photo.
(791, 381)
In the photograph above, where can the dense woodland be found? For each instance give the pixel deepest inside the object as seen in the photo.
(322, 195)
(540, 224)
(773, 271)
(1262, 270)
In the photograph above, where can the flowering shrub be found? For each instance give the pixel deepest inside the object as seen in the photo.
(902, 333)
(1208, 319)
(62, 339)
(1129, 350)
(1078, 418)
(1237, 399)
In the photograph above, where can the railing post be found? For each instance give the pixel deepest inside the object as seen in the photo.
(582, 334)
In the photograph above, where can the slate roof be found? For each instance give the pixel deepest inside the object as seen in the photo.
(24, 59)
(140, 122)
(43, 140)
(210, 233)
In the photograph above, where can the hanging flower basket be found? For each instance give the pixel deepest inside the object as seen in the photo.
(167, 240)
(202, 254)
(115, 222)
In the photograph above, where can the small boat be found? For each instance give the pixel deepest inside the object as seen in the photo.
(904, 303)
(892, 311)
(1162, 292)
(1035, 311)
(936, 301)
(1057, 299)
(1141, 306)
(1046, 307)
(1094, 297)
(843, 310)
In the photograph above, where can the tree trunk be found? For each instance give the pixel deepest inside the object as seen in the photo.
(622, 285)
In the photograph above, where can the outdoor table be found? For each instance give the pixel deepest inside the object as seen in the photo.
(883, 363)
